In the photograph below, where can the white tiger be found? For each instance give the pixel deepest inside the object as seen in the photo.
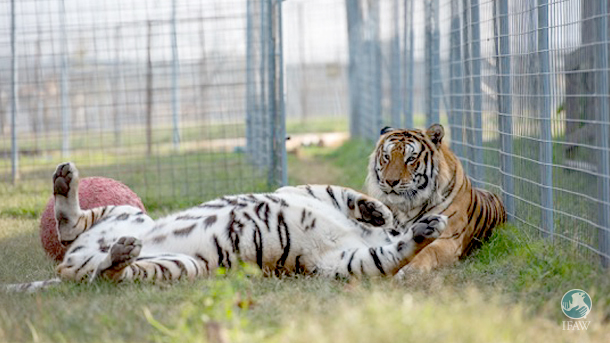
(318, 230)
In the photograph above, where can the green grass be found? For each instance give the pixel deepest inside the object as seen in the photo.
(507, 291)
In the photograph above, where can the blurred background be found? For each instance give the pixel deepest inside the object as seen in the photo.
(187, 100)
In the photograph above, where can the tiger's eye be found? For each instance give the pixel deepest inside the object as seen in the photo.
(410, 159)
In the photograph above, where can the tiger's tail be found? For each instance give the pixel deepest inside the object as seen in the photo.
(30, 287)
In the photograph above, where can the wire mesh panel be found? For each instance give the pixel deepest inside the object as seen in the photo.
(181, 100)
(523, 87)
(543, 135)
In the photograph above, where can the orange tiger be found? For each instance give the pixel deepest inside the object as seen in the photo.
(415, 175)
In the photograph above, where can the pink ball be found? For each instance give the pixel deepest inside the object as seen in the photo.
(92, 192)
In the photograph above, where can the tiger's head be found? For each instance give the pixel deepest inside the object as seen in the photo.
(404, 166)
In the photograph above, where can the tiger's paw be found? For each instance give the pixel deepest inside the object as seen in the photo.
(124, 251)
(65, 180)
(429, 228)
(67, 209)
(372, 211)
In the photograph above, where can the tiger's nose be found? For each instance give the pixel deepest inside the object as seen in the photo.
(392, 183)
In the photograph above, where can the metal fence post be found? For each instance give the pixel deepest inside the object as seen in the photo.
(281, 136)
(395, 69)
(477, 113)
(175, 80)
(505, 120)
(466, 117)
(354, 29)
(456, 90)
(432, 63)
(546, 148)
(250, 87)
(409, 63)
(14, 97)
(375, 72)
(601, 89)
(65, 97)
(271, 93)
(263, 151)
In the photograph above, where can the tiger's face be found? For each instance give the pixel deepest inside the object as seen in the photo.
(404, 165)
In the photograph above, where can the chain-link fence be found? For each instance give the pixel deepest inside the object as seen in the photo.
(523, 88)
(181, 100)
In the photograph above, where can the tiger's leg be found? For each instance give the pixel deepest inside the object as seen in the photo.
(124, 263)
(71, 219)
(443, 252)
(387, 259)
(353, 204)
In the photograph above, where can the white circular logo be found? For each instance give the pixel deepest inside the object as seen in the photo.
(576, 304)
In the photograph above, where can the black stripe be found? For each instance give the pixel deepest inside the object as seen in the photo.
(262, 212)
(205, 261)
(451, 184)
(233, 232)
(76, 249)
(330, 192)
(186, 231)
(220, 252)
(284, 240)
(197, 272)
(187, 217)
(377, 261)
(258, 245)
(83, 265)
(182, 267)
(122, 216)
(298, 268)
(308, 188)
(349, 263)
(272, 198)
(210, 220)
(166, 274)
(208, 205)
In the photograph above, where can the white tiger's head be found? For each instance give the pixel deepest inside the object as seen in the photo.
(404, 165)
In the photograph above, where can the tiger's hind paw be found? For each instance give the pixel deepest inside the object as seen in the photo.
(65, 180)
(373, 212)
(67, 209)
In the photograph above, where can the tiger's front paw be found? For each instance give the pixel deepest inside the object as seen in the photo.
(372, 211)
(124, 251)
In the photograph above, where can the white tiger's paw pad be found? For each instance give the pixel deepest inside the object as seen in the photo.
(373, 212)
(429, 228)
(65, 179)
(125, 251)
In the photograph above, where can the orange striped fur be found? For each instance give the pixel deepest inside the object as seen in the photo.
(415, 175)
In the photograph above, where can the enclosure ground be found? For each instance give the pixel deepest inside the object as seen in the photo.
(508, 291)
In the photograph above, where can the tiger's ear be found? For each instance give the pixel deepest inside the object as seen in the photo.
(436, 133)
(386, 130)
